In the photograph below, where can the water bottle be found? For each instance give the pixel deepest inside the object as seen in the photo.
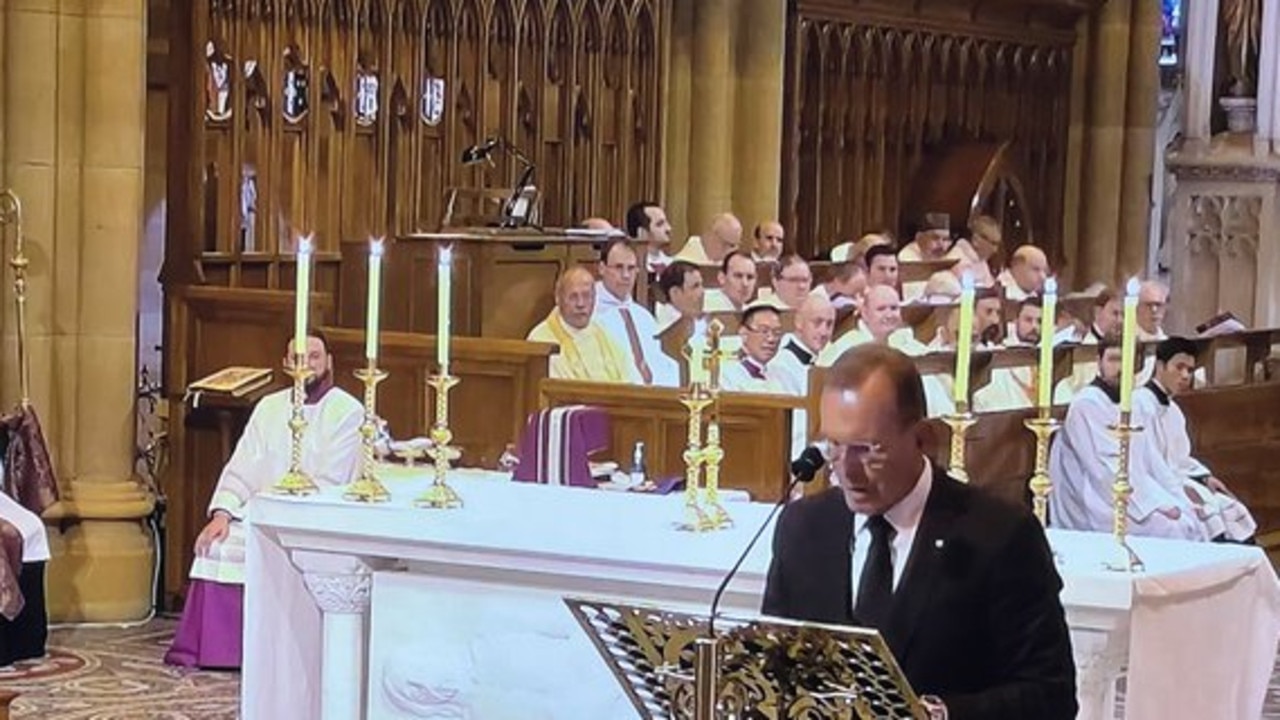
(637, 464)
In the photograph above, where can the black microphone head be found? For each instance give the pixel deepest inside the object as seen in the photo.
(806, 467)
(480, 152)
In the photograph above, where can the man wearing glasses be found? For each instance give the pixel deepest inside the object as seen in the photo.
(761, 333)
(792, 280)
(961, 584)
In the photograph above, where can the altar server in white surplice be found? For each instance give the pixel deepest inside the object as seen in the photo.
(209, 633)
(630, 324)
(752, 370)
(1156, 410)
(1085, 457)
(586, 350)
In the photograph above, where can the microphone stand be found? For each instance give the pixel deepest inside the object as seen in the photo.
(706, 658)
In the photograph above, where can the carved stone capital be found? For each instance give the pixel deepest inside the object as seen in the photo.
(345, 593)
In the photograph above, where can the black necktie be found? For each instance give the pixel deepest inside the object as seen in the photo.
(875, 587)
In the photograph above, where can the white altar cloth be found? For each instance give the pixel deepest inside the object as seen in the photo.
(1198, 628)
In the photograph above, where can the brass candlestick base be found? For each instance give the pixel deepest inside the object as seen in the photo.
(960, 421)
(1120, 492)
(1043, 427)
(440, 496)
(367, 488)
(712, 456)
(295, 481)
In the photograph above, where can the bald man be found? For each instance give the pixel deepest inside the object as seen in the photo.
(815, 321)
(1153, 303)
(586, 350)
(881, 322)
(722, 237)
(769, 241)
(1028, 269)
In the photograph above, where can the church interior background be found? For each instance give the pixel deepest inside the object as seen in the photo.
(170, 154)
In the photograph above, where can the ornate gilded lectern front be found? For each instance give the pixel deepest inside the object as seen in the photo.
(762, 669)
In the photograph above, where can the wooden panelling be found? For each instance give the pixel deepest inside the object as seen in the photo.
(498, 386)
(877, 89)
(755, 431)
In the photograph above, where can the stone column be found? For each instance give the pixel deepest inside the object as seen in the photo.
(757, 167)
(341, 586)
(711, 116)
(1202, 34)
(73, 108)
(1121, 118)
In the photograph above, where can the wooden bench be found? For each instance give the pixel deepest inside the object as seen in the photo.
(755, 431)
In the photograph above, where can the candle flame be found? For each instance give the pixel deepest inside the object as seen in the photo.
(1051, 286)
(966, 281)
(304, 245)
(376, 247)
(446, 255)
(1132, 287)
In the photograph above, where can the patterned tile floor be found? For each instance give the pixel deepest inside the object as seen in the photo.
(119, 674)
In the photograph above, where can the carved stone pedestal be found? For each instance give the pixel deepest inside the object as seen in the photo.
(1223, 232)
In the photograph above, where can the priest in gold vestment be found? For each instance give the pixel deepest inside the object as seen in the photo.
(586, 350)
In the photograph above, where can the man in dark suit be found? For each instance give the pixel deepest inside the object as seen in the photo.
(961, 585)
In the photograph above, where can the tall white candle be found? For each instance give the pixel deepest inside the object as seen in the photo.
(964, 341)
(302, 296)
(374, 303)
(1129, 344)
(444, 307)
(1044, 385)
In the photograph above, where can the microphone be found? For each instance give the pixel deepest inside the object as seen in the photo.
(481, 152)
(803, 470)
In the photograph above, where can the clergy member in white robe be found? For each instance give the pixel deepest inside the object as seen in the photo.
(586, 350)
(24, 552)
(737, 289)
(881, 322)
(750, 371)
(630, 324)
(1085, 457)
(209, 633)
(815, 320)
(647, 224)
(1156, 410)
(1014, 388)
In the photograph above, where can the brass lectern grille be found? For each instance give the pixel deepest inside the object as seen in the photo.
(769, 670)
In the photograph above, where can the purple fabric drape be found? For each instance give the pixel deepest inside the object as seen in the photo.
(28, 471)
(558, 442)
(11, 600)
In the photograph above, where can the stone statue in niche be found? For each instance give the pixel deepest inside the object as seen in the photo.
(366, 94)
(296, 87)
(248, 208)
(217, 84)
(1242, 24)
(432, 110)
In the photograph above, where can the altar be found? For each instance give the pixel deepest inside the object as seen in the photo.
(395, 612)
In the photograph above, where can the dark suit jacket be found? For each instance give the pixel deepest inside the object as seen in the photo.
(976, 617)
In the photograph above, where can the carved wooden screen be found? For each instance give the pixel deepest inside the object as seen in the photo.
(870, 96)
(344, 119)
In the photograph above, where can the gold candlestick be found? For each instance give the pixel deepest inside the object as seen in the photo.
(440, 495)
(960, 421)
(367, 488)
(1043, 426)
(295, 481)
(695, 520)
(712, 456)
(1120, 492)
(11, 214)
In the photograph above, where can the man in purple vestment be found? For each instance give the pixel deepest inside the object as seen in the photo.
(209, 634)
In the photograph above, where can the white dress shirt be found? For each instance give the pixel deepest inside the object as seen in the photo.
(608, 314)
(905, 518)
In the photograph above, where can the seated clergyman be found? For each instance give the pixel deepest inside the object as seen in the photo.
(586, 350)
(24, 551)
(209, 634)
(1085, 458)
(1155, 408)
(750, 371)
